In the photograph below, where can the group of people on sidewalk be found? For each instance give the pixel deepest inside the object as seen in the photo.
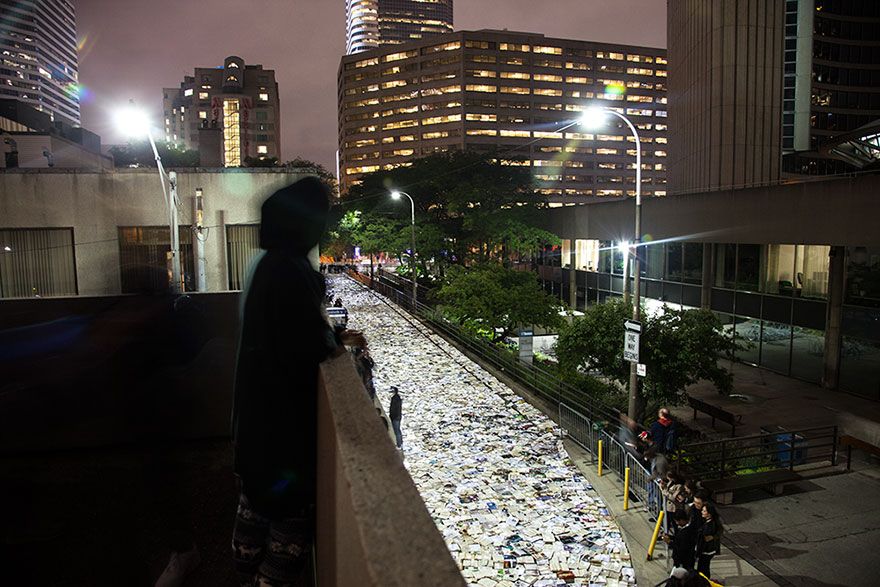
(693, 528)
(364, 364)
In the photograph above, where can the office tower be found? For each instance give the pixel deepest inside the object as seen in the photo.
(238, 100)
(831, 86)
(519, 94)
(374, 23)
(725, 93)
(38, 43)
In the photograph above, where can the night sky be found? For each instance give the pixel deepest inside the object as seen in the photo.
(132, 49)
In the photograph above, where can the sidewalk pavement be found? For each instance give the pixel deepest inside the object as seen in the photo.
(764, 398)
(727, 568)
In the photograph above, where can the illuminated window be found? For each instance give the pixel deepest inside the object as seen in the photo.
(404, 138)
(361, 169)
(546, 77)
(659, 153)
(661, 60)
(639, 71)
(513, 47)
(400, 124)
(483, 58)
(231, 133)
(203, 114)
(547, 92)
(660, 73)
(395, 83)
(640, 58)
(546, 163)
(540, 134)
(615, 56)
(481, 88)
(480, 73)
(575, 65)
(548, 106)
(548, 50)
(548, 63)
(188, 92)
(445, 47)
(264, 97)
(639, 112)
(398, 56)
(262, 149)
(482, 132)
(427, 136)
(514, 90)
(441, 90)
(578, 80)
(203, 95)
(386, 140)
(514, 162)
(476, 44)
(515, 133)
(642, 99)
(367, 62)
(604, 151)
(515, 75)
(441, 119)
(482, 117)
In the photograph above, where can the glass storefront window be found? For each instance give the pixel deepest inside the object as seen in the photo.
(605, 257)
(653, 255)
(775, 346)
(863, 276)
(748, 267)
(807, 353)
(586, 254)
(692, 266)
(748, 335)
(811, 271)
(673, 261)
(725, 266)
(618, 260)
(566, 253)
(780, 277)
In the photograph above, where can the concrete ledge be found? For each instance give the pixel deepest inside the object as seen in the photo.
(372, 526)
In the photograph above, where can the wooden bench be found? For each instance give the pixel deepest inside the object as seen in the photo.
(851, 442)
(775, 481)
(716, 413)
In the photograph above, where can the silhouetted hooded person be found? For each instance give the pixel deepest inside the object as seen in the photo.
(284, 337)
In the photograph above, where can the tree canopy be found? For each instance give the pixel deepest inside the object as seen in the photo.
(678, 347)
(490, 297)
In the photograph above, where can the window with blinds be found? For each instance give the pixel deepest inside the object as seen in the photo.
(144, 258)
(37, 262)
(242, 244)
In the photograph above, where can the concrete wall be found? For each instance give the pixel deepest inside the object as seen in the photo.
(65, 153)
(373, 529)
(830, 212)
(95, 204)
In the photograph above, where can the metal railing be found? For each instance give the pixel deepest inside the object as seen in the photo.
(770, 450)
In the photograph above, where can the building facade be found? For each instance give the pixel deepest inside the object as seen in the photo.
(39, 67)
(725, 93)
(240, 101)
(518, 94)
(792, 271)
(831, 85)
(92, 233)
(374, 23)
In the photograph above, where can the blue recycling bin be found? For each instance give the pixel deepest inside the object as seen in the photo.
(791, 447)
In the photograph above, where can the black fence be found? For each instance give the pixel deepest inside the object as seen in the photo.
(771, 450)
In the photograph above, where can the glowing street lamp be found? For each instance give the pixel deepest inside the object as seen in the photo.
(135, 123)
(396, 195)
(593, 118)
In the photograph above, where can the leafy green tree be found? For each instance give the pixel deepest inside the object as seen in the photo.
(261, 162)
(678, 347)
(140, 154)
(490, 297)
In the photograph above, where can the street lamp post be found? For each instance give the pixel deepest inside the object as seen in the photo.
(595, 117)
(134, 122)
(413, 276)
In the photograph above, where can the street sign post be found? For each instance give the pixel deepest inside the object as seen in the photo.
(526, 352)
(631, 340)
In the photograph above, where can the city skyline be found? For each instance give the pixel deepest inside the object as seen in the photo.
(120, 60)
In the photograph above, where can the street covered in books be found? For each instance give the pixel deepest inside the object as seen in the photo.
(512, 507)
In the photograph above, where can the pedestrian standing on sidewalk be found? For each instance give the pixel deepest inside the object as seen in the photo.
(395, 413)
(708, 539)
(683, 541)
(663, 432)
(285, 335)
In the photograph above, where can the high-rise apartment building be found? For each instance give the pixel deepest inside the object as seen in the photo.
(373, 23)
(517, 94)
(238, 100)
(39, 67)
(831, 86)
(725, 93)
